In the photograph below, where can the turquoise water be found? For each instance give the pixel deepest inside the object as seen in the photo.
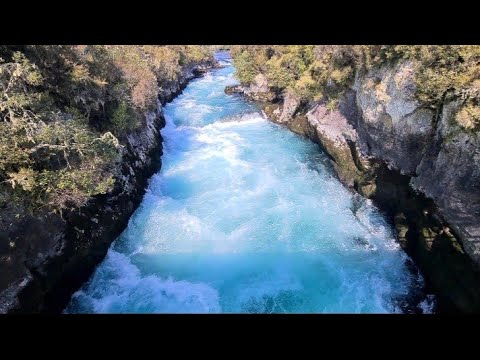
(246, 216)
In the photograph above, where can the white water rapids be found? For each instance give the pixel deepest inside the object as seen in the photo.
(245, 216)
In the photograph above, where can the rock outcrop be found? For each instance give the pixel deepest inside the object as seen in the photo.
(49, 256)
(258, 90)
(392, 123)
(168, 91)
(449, 173)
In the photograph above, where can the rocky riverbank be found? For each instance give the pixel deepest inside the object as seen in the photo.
(54, 254)
(419, 166)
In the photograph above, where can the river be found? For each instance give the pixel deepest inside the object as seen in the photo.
(247, 217)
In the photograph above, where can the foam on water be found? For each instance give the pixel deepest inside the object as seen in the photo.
(245, 216)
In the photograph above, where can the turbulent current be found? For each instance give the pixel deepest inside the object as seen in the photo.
(247, 217)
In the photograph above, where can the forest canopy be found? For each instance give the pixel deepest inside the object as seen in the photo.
(65, 112)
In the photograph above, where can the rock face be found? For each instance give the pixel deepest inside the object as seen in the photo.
(418, 165)
(48, 257)
(340, 140)
(289, 108)
(259, 89)
(392, 123)
(234, 89)
(336, 134)
(449, 173)
(441, 158)
(168, 91)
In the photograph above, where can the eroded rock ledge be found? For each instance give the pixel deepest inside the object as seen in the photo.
(419, 166)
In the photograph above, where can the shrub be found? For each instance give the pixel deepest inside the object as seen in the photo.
(245, 70)
(469, 117)
(123, 119)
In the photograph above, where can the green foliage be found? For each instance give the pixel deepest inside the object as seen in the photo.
(278, 74)
(288, 64)
(312, 72)
(140, 80)
(443, 69)
(327, 71)
(469, 117)
(193, 54)
(245, 70)
(165, 61)
(60, 107)
(446, 72)
(123, 119)
(333, 70)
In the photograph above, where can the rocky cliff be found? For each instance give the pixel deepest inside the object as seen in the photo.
(48, 256)
(417, 164)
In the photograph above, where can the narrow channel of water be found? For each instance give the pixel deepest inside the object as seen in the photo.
(245, 216)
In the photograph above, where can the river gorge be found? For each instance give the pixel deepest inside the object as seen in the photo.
(247, 217)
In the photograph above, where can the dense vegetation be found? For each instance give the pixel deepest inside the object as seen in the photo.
(327, 71)
(65, 112)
